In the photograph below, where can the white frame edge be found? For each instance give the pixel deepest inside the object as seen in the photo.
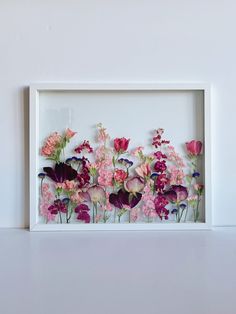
(33, 151)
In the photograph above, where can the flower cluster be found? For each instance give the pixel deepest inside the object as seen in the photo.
(112, 183)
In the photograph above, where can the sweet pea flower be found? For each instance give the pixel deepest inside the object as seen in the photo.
(194, 147)
(97, 194)
(143, 170)
(123, 199)
(177, 193)
(199, 188)
(69, 133)
(121, 144)
(120, 175)
(134, 185)
(82, 211)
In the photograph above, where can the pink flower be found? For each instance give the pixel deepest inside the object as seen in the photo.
(134, 214)
(69, 133)
(105, 177)
(194, 147)
(79, 197)
(199, 188)
(97, 194)
(45, 202)
(103, 136)
(134, 185)
(143, 170)
(51, 144)
(148, 207)
(174, 157)
(176, 175)
(107, 205)
(137, 151)
(121, 144)
(120, 175)
(85, 146)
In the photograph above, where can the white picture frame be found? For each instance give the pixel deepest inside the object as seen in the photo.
(36, 89)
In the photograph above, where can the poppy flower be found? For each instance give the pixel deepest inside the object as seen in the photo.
(177, 193)
(194, 147)
(121, 144)
(61, 172)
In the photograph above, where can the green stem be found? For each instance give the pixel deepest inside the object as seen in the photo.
(186, 213)
(129, 216)
(196, 212)
(115, 216)
(93, 213)
(60, 217)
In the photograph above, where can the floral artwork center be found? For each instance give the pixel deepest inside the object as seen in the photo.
(111, 183)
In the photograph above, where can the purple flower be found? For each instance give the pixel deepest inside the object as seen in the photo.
(177, 193)
(124, 198)
(61, 172)
(125, 162)
(82, 211)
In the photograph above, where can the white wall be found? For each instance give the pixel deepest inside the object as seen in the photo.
(65, 40)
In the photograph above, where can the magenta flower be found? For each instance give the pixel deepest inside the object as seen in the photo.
(58, 206)
(194, 147)
(97, 194)
(82, 211)
(160, 202)
(134, 185)
(85, 146)
(160, 166)
(61, 172)
(177, 193)
(121, 144)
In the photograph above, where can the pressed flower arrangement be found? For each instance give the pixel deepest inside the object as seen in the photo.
(110, 183)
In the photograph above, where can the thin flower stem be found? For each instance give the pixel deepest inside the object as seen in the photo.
(60, 217)
(93, 213)
(115, 216)
(129, 216)
(186, 213)
(197, 209)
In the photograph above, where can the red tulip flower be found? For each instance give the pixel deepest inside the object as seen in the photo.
(121, 144)
(194, 147)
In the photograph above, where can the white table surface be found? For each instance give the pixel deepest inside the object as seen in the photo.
(118, 272)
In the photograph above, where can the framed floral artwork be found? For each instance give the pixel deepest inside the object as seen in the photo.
(120, 156)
